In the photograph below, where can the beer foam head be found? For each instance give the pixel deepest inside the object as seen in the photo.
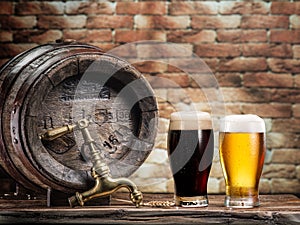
(242, 123)
(190, 120)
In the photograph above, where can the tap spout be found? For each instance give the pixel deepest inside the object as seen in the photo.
(105, 186)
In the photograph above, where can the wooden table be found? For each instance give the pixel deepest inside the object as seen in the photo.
(274, 209)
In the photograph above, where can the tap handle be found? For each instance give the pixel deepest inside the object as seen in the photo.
(57, 132)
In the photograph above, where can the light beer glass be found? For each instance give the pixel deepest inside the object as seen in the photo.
(190, 148)
(242, 146)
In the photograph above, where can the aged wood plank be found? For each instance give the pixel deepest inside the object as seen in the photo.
(274, 209)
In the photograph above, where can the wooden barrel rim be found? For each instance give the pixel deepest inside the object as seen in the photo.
(7, 82)
(10, 164)
(18, 142)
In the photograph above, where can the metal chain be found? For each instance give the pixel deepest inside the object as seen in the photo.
(162, 204)
(155, 203)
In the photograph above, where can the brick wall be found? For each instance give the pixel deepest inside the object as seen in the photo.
(252, 48)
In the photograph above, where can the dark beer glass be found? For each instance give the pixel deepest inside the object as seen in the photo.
(190, 149)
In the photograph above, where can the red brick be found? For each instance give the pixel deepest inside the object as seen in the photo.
(253, 95)
(286, 125)
(11, 50)
(128, 52)
(285, 7)
(133, 8)
(233, 108)
(279, 170)
(6, 36)
(296, 51)
(105, 46)
(267, 22)
(151, 67)
(268, 80)
(243, 64)
(178, 96)
(38, 8)
(229, 79)
(17, 22)
(61, 22)
(37, 36)
(169, 80)
(215, 22)
(284, 65)
(286, 36)
(272, 110)
(244, 8)
(47, 36)
(195, 37)
(268, 50)
(109, 21)
(286, 95)
(6, 8)
(287, 156)
(204, 80)
(240, 36)
(212, 63)
(138, 35)
(196, 95)
(192, 65)
(297, 81)
(88, 36)
(191, 8)
(163, 50)
(218, 50)
(161, 22)
(90, 7)
(296, 110)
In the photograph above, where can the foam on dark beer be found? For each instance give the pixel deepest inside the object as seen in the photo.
(190, 120)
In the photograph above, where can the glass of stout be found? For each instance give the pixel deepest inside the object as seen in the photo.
(190, 150)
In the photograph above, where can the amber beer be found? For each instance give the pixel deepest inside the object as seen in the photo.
(190, 148)
(242, 146)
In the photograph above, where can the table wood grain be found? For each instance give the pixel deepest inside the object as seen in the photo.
(274, 209)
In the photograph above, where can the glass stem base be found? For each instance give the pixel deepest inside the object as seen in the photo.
(195, 201)
(241, 202)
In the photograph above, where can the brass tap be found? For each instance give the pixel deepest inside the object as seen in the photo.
(57, 132)
(105, 185)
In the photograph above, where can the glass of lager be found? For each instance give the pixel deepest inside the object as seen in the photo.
(242, 146)
(190, 149)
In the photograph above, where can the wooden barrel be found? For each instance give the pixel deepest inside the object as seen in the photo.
(39, 92)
